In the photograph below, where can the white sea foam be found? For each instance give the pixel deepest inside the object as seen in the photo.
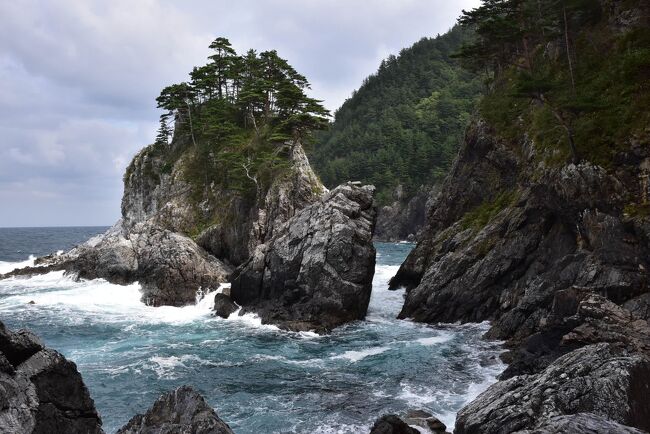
(355, 356)
(434, 340)
(6, 267)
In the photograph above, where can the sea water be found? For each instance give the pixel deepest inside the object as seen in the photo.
(258, 378)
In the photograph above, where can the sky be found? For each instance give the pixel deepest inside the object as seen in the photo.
(79, 78)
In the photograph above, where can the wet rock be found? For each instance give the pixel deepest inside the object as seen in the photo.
(392, 424)
(182, 410)
(582, 423)
(316, 272)
(42, 392)
(224, 306)
(604, 379)
(425, 420)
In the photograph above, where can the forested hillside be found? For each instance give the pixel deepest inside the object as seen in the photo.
(404, 123)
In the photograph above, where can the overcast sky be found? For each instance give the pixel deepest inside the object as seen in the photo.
(78, 80)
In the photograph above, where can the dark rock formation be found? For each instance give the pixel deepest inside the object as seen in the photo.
(404, 218)
(180, 411)
(170, 267)
(151, 244)
(40, 391)
(582, 423)
(316, 272)
(392, 424)
(604, 379)
(426, 420)
(224, 306)
(547, 254)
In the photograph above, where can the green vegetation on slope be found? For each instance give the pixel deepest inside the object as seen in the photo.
(560, 73)
(404, 124)
(235, 114)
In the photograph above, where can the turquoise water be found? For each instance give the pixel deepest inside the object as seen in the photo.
(258, 378)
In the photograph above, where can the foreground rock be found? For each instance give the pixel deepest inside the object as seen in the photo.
(392, 424)
(604, 379)
(316, 272)
(426, 420)
(180, 411)
(41, 392)
(550, 257)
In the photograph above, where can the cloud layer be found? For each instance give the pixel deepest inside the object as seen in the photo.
(79, 80)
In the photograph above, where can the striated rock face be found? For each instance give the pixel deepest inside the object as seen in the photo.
(224, 223)
(603, 379)
(152, 244)
(40, 391)
(180, 411)
(316, 271)
(403, 219)
(581, 423)
(549, 256)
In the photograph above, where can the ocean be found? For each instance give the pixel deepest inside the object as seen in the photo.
(258, 378)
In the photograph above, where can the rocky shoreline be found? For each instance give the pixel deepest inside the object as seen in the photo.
(558, 268)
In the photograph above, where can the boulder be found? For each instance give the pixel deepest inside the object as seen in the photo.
(224, 306)
(426, 420)
(41, 391)
(316, 271)
(392, 424)
(182, 410)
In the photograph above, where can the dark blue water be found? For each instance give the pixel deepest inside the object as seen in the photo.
(17, 243)
(259, 379)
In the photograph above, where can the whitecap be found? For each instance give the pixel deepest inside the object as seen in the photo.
(355, 356)
(433, 340)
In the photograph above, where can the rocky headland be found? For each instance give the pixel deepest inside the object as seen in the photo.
(555, 260)
(405, 217)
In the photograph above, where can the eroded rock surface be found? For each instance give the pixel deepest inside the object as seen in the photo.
(41, 391)
(182, 410)
(392, 424)
(316, 272)
(550, 257)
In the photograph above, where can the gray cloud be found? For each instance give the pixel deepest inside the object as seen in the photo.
(79, 80)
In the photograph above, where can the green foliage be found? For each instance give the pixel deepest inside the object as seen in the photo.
(405, 123)
(637, 210)
(559, 74)
(236, 115)
(481, 215)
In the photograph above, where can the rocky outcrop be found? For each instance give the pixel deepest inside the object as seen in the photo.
(549, 255)
(153, 242)
(392, 424)
(405, 217)
(316, 272)
(224, 306)
(581, 423)
(225, 223)
(170, 267)
(604, 379)
(41, 391)
(182, 410)
(426, 420)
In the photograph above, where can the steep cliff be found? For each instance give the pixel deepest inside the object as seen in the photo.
(546, 236)
(405, 217)
(316, 272)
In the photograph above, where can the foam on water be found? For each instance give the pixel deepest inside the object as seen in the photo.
(261, 379)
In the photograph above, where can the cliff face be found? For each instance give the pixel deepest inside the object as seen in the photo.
(225, 223)
(316, 272)
(525, 245)
(404, 218)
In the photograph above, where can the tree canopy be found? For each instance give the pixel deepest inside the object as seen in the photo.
(238, 112)
(404, 124)
(558, 71)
